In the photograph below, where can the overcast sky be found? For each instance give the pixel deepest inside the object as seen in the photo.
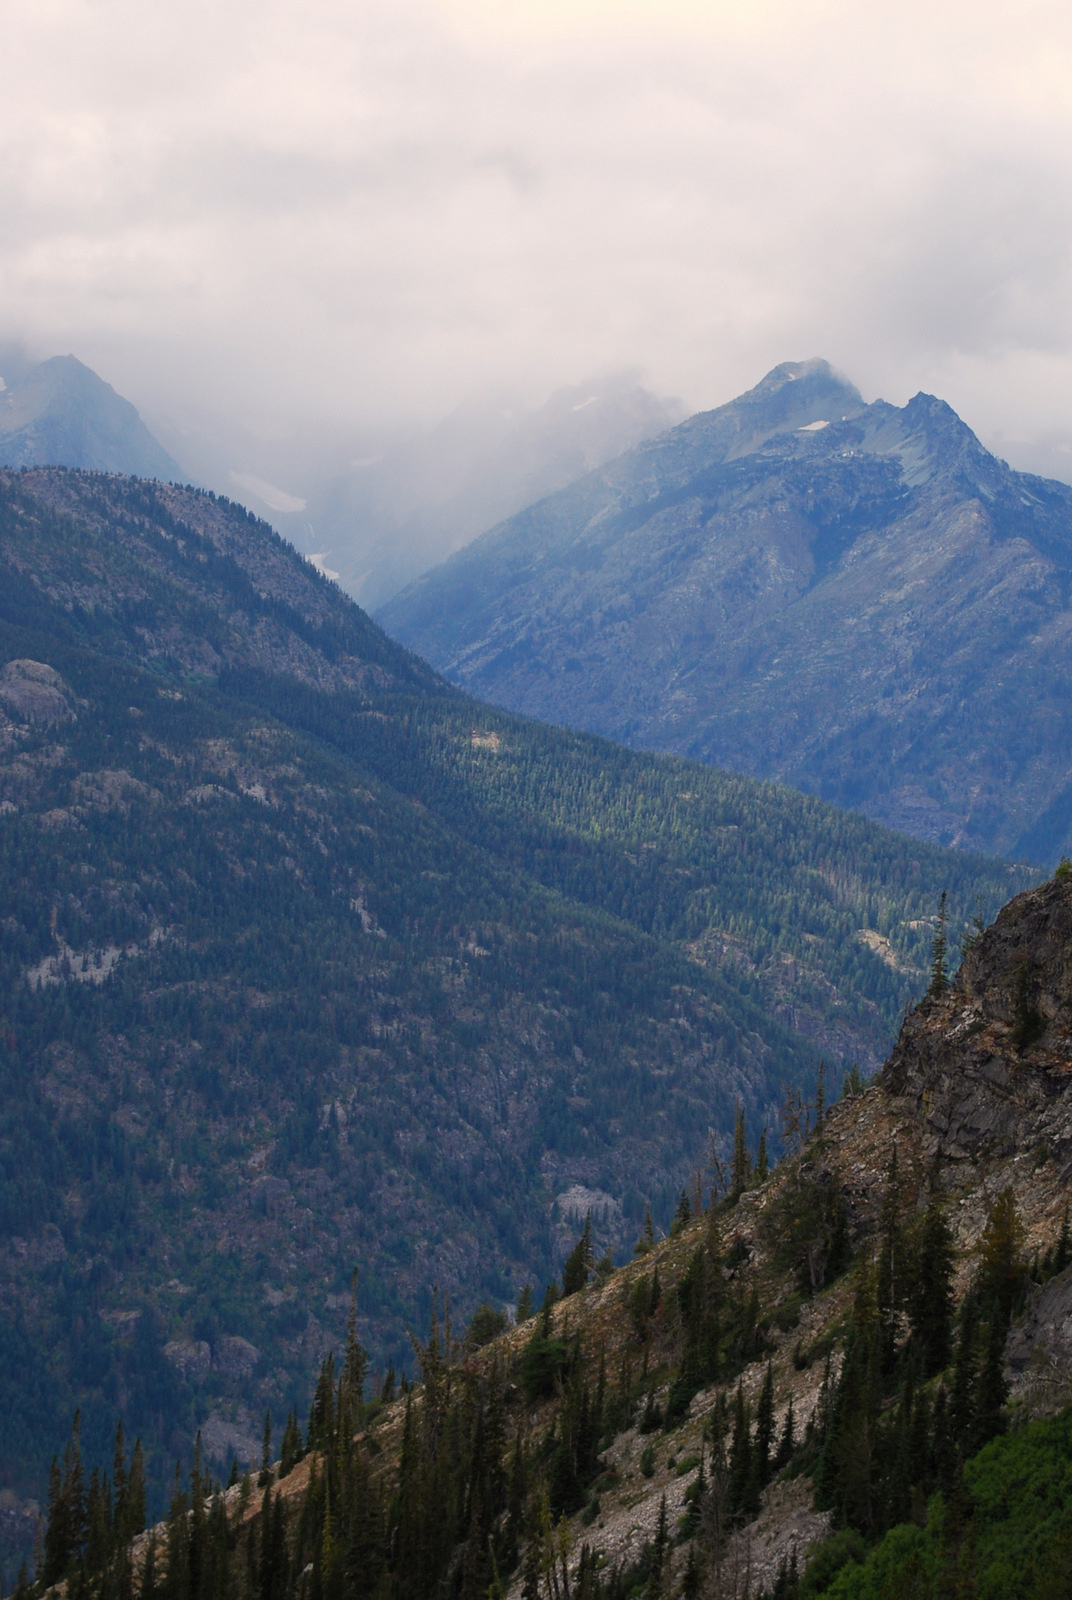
(371, 211)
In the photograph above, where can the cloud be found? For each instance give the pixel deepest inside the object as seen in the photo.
(369, 212)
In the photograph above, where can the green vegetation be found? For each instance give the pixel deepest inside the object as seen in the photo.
(1002, 1532)
(472, 1486)
(377, 966)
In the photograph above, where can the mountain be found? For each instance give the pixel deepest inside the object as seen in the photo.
(312, 962)
(375, 510)
(61, 414)
(855, 599)
(849, 1377)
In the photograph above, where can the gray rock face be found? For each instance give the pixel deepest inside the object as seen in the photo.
(988, 1066)
(191, 1357)
(32, 691)
(235, 1357)
(60, 414)
(855, 599)
(1038, 1354)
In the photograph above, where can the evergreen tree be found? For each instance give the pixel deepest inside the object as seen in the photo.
(65, 1534)
(355, 1363)
(683, 1214)
(658, 1585)
(991, 1390)
(741, 1170)
(763, 1449)
(646, 1242)
(741, 1492)
(578, 1267)
(762, 1165)
(930, 1301)
(266, 1451)
(787, 1442)
(1002, 1271)
(939, 955)
(291, 1448)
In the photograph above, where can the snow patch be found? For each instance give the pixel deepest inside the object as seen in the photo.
(813, 427)
(317, 561)
(270, 494)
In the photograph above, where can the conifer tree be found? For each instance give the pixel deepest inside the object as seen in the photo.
(741, 1497)
(658, 1584)
(741, 1170)
(692, 1577)
(291, 1449)
(787, 1442)
(683, 1214)
(355, 1361)
(578, 1267)
(939, 955)
(266, 1451)
(762, 1164)
(763, 1448)
(646, 1242)
(1002, 1270)
(991, 1390)
(930, 1301)
(65, 1535)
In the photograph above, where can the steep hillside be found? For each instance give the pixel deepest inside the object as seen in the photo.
(61, 414)
(851, 1378)
(857, 600)
(310, 961)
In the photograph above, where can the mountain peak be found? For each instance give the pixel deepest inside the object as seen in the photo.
(60, 413)
(802, 383)
(798, 586)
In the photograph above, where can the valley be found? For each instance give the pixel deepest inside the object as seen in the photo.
(312, 962)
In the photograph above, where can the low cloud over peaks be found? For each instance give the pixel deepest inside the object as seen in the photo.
(370, 213)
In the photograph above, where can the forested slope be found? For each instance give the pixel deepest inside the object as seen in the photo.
(858, 600)
(309, 961)
(847, 1377)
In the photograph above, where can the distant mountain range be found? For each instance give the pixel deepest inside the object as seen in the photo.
(371, 510)
(859, 600)
(311, 961)
(377, 508)
(60, 414)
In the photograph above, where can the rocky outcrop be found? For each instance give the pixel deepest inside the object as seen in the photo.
(33, 692)
(1038, 1355)
(987, 1065)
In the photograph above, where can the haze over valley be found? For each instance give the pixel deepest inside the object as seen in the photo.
(535, 800)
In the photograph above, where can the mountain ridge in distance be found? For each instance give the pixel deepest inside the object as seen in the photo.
(60, 413)
(859, 600)
(378, 506)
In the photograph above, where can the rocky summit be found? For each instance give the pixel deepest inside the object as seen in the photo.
(859, 600)
(61, 414)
